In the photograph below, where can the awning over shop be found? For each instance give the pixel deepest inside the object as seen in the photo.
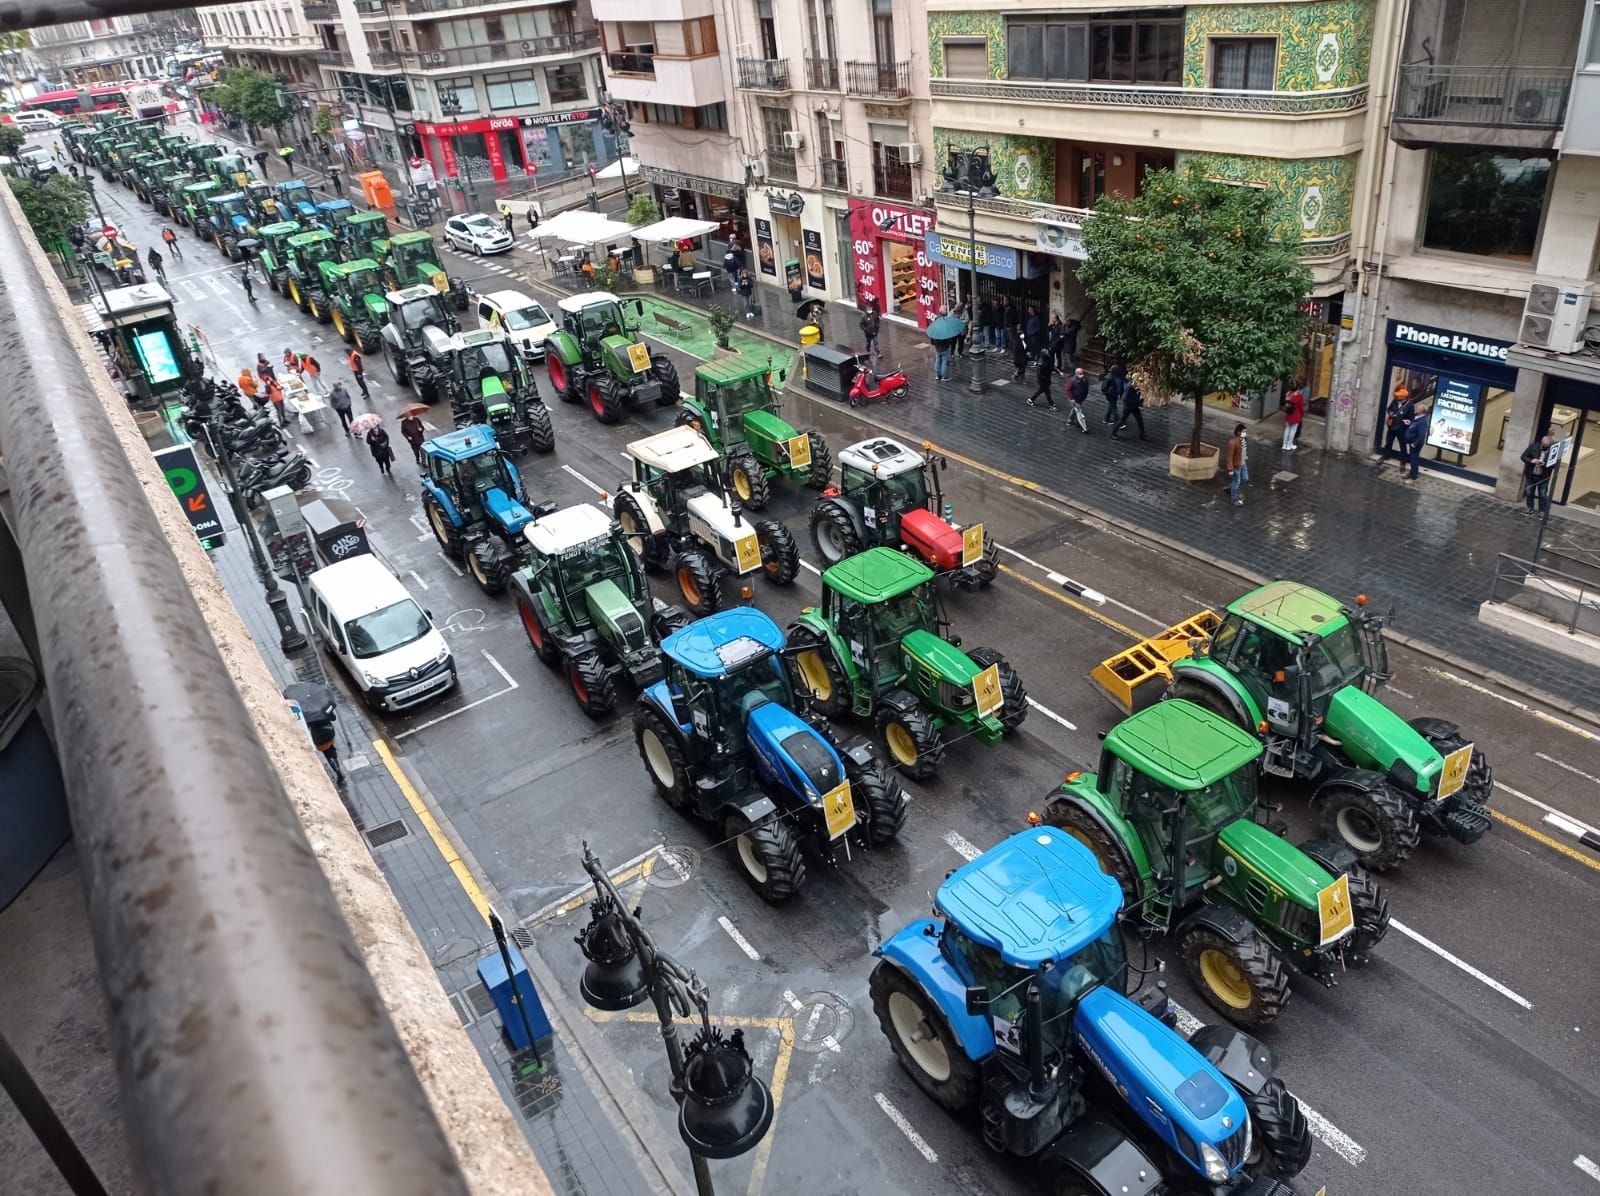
(674, 228)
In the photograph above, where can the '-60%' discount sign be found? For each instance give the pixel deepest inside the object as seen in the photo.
(182, 471)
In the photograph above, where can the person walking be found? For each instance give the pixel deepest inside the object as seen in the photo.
(1044, 366)
(963, 312)
(1132, 408)
(1294, 411)
(264, 369)
(1238, 464)
(1033, 328)
(985, 324)
(1069, 342)
(1004, 318)
(359, 370)
(311, 371)
(533, 219)
(171, 238)
(411, 429)
(247, 384)
(1111, 387)
(382, 452)
(871, 322)
(511, 228)
(1416, 437)
(1052, 339)
(747, 288)
(339, 400)
(1077, 396)
(1401, 412)
(275, 397)
(941, 358)
(1019, 354)
(1536, 472)
(247, 284)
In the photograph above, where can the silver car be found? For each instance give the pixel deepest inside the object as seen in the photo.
(478, 234)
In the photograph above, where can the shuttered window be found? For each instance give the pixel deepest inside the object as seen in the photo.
(966, 59)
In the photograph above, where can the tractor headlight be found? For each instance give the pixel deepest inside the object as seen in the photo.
(1216, 1166)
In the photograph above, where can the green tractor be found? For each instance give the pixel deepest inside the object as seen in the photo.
(587, 609)
(140, 177)
(198, 153)
(416, 339)
(230, 170)
(413, 259)
(879, 647)
(489, 383)
(274, 253)
(196, 200)
(365, 235)
(734, 406)
(356, 302)
(1300, 669)
(230, 222)
(122, 155)
(168, 197)
(599, 357)
(1174, 817)
(307, 253)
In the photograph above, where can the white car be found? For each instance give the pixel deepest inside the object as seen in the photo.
(35, 118)
(478, 234)
(520, 316)
(38, 161)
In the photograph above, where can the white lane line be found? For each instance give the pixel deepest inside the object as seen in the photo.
(805, 564)
(1398, 692)
(1565, 825)
(733, 933)
(1537, 804)
(904, 1126)
(543, 912)
(511, 684)
(1533, 710)
(1466, 967)
(587, 482)
(1588, 1166)
(828, 1040)
(1052, 715)
(1578, 772)
(961, 845)
(454, 568)
(500, 668)
(417, 577)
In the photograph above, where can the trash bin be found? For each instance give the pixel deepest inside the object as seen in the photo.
(33, 799)
(830, 371)
(810, 335)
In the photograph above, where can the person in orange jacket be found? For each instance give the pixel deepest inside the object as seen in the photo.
(247, 384)
(275, 397)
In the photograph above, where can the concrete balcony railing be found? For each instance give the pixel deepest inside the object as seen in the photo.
(781, 166)
(555, 46)
(831, 174)
(1480, 105)
(1207, 99)
(763, 74)
(822, 74)
(334, 58)
(320, 12)
(890, 80)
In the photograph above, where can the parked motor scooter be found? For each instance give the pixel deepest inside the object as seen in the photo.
(871, 386)
(286, 469)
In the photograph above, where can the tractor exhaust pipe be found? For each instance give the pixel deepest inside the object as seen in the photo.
(1035, 1043)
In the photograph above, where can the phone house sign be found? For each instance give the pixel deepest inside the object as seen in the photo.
(1445, 341)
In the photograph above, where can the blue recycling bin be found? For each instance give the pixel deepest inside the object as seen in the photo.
(492, 971)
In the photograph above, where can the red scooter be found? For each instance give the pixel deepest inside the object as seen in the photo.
(870, 385)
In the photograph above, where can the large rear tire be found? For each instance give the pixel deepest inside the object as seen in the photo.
(490, 565)
(541, 432)
(909, 735)
(833, 534)
(821, 462)
(561, 379)
(1206, 698)
(767, 854)
(698, 582)
(1108, 853)
(667, 374)
(816, 668)
(921, 1038)
(1377, 824)
(663, 758)
(1280, 1139)
(444, 531)
(591, 682)
(1245, 981)
(880, 803)
(539, 638)
(1013, 696)
(780, 555)
(606, 398)
(648, 547)
(748, 480)
(395, 362)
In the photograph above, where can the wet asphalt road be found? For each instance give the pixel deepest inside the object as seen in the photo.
(1463, 1060)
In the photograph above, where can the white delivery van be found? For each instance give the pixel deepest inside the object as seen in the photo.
(519, 316)
(385, 641)
(35, 118)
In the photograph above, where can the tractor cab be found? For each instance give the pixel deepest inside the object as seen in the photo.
(887, 477)
(275, 244)
(366, 235)
(598, 323)
(478, 480)
(199, 153)
(295, 198)
(263, 202)
(676, 467)
(413, 260)
(334, 214)
(196, 197)
(308, 250)
(578, 552)
(876, 600)
(172, 145)
(230, 211)
(486, 365)
(721, 671)
(230, 170)
(356, 296)
(731, 392)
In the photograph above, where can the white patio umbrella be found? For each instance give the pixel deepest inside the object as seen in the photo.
(627, 167)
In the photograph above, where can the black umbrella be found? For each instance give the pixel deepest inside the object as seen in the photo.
(316, 701)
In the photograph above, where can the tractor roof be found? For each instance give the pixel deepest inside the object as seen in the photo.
(876, 575)
(406, 294)
(577, 303)
(367, 218)
(478, 336)
(563, 530)
(1035, 897)
(310, 238)
(672, 451)
(279, 229)
(720, 643)
(412, 238)
(207, 185)
(729, 370)
(287, 183)
(1288, 608)
(227, 197)
(509, 300)
(886, 457)
(341, 269)
(1181, 745)
(335, 205)
(463, 444)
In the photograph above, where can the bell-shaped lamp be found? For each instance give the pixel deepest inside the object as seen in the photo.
(614, 978)
(726, 1109)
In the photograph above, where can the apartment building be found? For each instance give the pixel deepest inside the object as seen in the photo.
(110, 49)
(271, 36)
(1476, 270)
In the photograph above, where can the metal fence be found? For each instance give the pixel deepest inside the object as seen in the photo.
(1569, 601)
(889, 79)
(1502, 97)
(763, 74)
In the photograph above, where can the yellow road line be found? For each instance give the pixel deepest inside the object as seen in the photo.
(464, 877)
(731, 1019)
(1072, 602)
(1554, 844)
(641, 870)
(780, 1077)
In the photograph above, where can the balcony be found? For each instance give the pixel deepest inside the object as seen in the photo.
(780, 166)
(334, 57)
(631, 64)
(764, 74)
(320, 12)
(891, 180)
(891, 80)
(384, 58)
(822, 74)
(1497, 106)
(832, 175)
(1208, 99)
(556, 45)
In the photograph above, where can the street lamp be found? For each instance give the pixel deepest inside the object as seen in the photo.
(968, 173)
(723, 1107)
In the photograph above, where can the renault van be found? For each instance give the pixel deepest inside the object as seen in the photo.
(386, 642)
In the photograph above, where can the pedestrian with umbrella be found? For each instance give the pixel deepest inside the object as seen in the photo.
(411, 429)
(945, 333)
(369, 425)
(317, 710)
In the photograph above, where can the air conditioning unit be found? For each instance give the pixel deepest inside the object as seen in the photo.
(1556, 314)
(794, 141)
(910, 153)
(757, 168)
(436, 56)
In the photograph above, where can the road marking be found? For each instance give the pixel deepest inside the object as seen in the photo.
(805, 564)
(780, 1080)
(621, 875)
(904, 1126)
(1052, 715)
(584, 480)
(1398, 692)
(1078, 588)
(1553, 844)
(1537, 713)
(1072, 602)
(454, 568)
(1461, 963)
(827, 1040)
(1588, 1166)
(1566, 825)
(733, 933)
(511, 684)
(1537, 804)
(417, 577)
(961, 845)
(1563, 764)
(463, 874)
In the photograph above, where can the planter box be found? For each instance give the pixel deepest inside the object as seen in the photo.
(1194, 469)
(719, 353)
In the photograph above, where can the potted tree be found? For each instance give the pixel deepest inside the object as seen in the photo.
(642, 211)
(1191, 288)
(721, 325)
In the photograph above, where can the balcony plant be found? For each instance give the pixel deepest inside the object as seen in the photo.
(1191, 289)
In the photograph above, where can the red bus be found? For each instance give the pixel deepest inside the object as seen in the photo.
(104, 98)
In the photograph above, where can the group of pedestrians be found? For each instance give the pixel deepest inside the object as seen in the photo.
(1407, 426)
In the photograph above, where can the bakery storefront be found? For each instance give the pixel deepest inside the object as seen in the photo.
(889, 255)
(1463, 384)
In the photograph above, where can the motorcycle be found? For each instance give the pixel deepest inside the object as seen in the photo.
(285, 469)
(871, 386)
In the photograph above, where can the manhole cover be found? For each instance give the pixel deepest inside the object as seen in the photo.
(821, 1021)
(673, 866)
(1283, 475)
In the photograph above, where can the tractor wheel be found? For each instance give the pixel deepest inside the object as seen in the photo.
(426, 384)
(275, 282)
(320, 309)
(1245, 982)
(490, 566)
(395, 361)
(561, 379)
(687, 419)
(1013, 696)
(833, 534)
(1378, 825)
(667, 374)
(342, 327)
(541, 432)
(982, 571)
(663, 758)
(1204, 697)
(670, 619)
(230, 249)
(650, 550)
(768, 855)
(538, 634)
(821, 462)
(591, 682)
(295, 297)
(698, 582)
(748, 480)
(605, 398)
(1368, 901)
(880, 803)
(1479, 785)
(1280, 1139)
(444, 531)
(921, 1038)
(909, 735)
(780, 555)
(1108, 853)
(368, 341)
(819, 672)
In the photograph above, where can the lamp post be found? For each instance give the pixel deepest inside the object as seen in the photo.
(723, 1107)
(968, 173)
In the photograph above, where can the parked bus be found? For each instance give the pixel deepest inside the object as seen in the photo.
(73, 101)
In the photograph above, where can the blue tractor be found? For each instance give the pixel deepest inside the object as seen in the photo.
(1013, 1001)
(296, 201)
(476, 505)
(720, 738)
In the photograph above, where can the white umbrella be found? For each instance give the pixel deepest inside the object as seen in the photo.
(622, 167)
(580, 227)
(674, 228)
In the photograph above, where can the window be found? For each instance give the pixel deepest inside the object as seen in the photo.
(775, 123)
(883, 30)
(1485, 203)
(566, 83)
(819, 24)
(767, 28)
(1250, 63)
(700, 37)
(1091, 177)
(1593, 56)
(712, 116)
(1054, 48)
(514, 90)
(966, 58)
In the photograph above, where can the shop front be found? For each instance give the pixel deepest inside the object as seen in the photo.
(889, 256)
(1019, 275)
(1569, 406)
(516, 152)
(1461, 381)
(699, 198)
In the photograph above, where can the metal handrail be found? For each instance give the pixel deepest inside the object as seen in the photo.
(1497, 96)
(1557, 597)
(254, 1049)
(1206, 99)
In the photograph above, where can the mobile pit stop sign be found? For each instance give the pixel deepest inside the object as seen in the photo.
(182, 471)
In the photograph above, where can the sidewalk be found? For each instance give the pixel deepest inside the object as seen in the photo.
(1339, 522)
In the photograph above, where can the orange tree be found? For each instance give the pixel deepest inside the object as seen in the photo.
(1191, 289)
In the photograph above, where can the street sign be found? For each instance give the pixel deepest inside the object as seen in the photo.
(182, 471)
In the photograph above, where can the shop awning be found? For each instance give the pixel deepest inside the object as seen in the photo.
(621, 168)
(674, 228)
(581, 227)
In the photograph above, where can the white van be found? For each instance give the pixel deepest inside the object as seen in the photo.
(519, 316)
(36, 119)
(385, 641)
